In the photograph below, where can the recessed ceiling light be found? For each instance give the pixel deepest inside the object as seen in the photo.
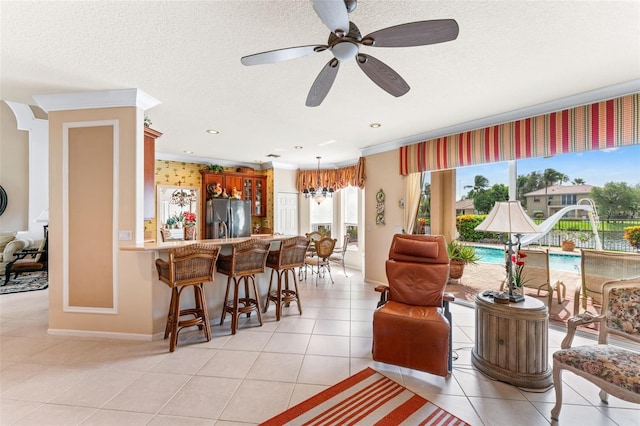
(375, 125)
(213, 131)
(297, 147)
(188, 152)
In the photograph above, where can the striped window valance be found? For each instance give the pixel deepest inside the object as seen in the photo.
(600, 125)
(333, 178)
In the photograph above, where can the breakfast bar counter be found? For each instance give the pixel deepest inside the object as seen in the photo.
(159, 294)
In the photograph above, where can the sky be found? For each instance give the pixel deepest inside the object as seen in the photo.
(595, 167)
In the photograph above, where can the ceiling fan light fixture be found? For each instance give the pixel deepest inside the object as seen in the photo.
(345, 51)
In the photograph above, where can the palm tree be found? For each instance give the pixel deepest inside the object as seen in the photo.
(578, 181)
(480, 183)
(550, 177)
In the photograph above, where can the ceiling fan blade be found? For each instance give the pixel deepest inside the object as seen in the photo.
(280, 55)
(382, 75)
(323, 83)
(418, 33)
(333, 14)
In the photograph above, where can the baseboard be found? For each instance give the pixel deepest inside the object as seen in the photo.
(104, 334)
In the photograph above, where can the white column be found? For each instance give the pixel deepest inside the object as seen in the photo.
(38, 129)
(513, 180)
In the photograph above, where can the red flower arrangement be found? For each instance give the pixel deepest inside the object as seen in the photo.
(189, 219)
(517, 267)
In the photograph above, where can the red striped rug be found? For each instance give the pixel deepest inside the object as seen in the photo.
(366, 398)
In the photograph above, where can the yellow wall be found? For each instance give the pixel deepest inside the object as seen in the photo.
(181, 173)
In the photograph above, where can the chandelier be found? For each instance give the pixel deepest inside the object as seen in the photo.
(183, 198)
(319, 193)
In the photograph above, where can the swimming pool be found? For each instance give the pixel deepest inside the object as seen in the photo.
(559, 262)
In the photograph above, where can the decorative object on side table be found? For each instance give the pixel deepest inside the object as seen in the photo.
(517, 266)
(508, 217)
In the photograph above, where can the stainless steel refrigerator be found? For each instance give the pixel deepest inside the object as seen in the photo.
(228, 218)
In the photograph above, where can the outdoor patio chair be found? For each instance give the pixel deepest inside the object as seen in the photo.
(614, 369)
(598, 267)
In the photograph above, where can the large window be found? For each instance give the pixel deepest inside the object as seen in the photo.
(322, 216)
(350, 198)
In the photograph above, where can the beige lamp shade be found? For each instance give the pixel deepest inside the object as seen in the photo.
(508, 217)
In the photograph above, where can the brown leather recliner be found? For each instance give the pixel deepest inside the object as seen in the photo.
(412, 325)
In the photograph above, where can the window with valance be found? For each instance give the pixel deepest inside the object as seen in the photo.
(333, 178)
(606, 124)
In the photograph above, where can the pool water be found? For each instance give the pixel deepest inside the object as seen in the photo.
(559, 262)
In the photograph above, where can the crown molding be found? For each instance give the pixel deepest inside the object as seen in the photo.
(207, 160)
(26, 115)
(100, 99)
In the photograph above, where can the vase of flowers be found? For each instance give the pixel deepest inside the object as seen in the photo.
(189, 226)
(517, 272)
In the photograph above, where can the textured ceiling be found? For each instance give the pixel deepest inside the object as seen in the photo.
(510, 55)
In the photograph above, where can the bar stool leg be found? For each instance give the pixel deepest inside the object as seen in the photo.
(279, 297)
(170, 319)
(295, 284)
(266, 305)
(224, 303)
(204, 312)
(257, 301)
(173, 342)
(234, 312)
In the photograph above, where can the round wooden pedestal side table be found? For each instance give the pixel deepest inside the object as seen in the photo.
(512, 342)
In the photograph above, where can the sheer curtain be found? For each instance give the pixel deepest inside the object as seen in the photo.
(412, 187)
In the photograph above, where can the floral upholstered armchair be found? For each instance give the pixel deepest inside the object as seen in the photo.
(615, 370)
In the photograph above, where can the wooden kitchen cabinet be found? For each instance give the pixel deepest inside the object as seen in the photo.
(251, 187)
(254, 188)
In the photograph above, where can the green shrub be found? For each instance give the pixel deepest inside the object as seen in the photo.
(632, 233)
(466, 224)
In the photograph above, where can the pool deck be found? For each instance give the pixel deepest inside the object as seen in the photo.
(489, 276)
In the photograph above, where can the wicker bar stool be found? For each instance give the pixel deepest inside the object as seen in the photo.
(246, 259)
(283, 261)
(188, 266)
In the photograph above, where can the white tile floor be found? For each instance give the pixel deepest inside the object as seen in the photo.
(249, 377)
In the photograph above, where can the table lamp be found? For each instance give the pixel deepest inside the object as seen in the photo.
(508, 217)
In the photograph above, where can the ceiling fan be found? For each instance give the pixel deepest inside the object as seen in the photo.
(344, 42)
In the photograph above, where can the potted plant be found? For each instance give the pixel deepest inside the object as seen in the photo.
(214, 168)
(568, 241)
(632, 234)
(179, 220)
(171, 222)
(460, 255)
